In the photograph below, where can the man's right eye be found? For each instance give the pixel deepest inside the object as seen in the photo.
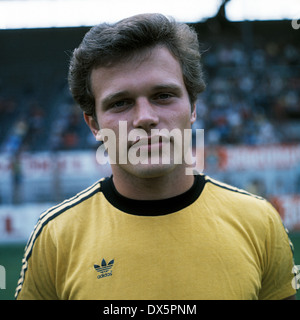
(121, 104)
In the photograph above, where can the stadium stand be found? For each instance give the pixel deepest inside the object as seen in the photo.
(252, 70)
(252, 94)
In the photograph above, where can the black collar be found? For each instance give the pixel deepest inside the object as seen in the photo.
(152, 207)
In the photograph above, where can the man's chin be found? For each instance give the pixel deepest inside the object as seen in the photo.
(148, 171)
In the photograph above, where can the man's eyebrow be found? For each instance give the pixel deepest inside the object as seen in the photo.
(114, 96)
(122, 94)
(167, 86)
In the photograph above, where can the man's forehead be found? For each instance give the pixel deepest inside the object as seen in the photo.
(136, 57)
(162, 70)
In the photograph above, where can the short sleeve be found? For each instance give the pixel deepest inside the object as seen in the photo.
(278, 260)
(37, 280)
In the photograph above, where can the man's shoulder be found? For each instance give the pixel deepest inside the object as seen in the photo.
(66, 209)
(236, 205)
(232, 192)
(236, 201)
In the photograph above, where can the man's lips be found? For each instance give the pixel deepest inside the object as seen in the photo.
(149, 141)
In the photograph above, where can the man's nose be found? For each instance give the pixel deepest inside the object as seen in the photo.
(145, 115)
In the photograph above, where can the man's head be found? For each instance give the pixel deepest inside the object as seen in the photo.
(143, 71)
(104, 45)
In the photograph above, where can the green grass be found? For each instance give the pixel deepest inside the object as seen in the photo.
(12, 254)
(11, 258)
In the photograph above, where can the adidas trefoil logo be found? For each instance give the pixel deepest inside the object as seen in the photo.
(104, 269)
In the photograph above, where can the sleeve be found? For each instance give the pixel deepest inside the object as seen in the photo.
(278, 265)
(37, 279)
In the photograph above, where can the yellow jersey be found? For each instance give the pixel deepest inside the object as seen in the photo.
(212, 242)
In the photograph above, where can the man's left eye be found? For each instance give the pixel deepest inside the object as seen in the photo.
(164, 96)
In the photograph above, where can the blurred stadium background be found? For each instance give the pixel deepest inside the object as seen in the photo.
(250, 111)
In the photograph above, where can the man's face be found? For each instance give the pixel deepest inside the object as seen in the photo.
(147, 92)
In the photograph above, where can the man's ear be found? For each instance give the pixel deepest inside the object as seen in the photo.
(194, 113)
(92, 124)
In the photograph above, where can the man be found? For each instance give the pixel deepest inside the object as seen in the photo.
(151, 231)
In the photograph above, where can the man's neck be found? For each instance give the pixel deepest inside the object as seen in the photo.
(166, 186)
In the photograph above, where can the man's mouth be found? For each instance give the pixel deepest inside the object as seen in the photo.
(151, 141)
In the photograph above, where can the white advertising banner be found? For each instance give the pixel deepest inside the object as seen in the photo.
(254, 157)
(17, 221)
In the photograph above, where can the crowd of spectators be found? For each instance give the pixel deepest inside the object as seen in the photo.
(252, 97)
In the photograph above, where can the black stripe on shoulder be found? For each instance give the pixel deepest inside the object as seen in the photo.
(49, 215)
(66, 205)
(55, 211)
(231, 188)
